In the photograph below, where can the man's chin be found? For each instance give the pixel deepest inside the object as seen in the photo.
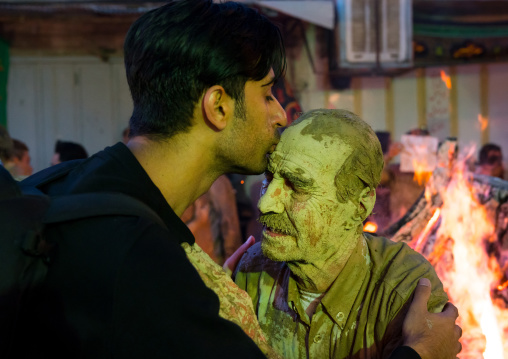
(252, 169)
(276, 249)
(271, 252)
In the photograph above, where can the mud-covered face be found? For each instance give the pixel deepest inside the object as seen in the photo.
(304, 221)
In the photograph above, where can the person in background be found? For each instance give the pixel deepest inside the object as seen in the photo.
(490, 161)
(213, 220)
(67, 151)
(381, 214)
(6, 145)
(19, 163)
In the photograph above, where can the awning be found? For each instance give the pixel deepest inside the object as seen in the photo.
(317, 12)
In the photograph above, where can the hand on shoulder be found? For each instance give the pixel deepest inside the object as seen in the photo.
(432, 335)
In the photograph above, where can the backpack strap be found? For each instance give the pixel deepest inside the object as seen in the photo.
(79, 206)
(84, 205)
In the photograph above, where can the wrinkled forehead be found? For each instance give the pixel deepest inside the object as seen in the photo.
(312, 150)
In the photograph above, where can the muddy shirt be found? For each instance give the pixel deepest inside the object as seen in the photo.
(361, 314)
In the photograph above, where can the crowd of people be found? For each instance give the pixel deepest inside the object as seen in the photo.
(201, 76)
(15, 154)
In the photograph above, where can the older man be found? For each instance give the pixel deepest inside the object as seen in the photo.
(321, 287)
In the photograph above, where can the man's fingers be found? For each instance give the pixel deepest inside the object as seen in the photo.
(459, 348)
(422, 295)
(231, 263)
(451, 311)
(458, 330)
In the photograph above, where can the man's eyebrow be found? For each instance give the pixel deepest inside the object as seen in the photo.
(272, 81)
(298, 180)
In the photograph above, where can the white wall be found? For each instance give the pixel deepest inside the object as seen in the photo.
(80, 99)
(368, 95)
(86, 100)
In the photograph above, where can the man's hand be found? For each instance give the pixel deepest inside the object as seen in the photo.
(231, 263)
(432, 335)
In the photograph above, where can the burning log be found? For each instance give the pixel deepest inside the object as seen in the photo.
(417, 217)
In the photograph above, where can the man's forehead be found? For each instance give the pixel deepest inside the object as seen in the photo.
(309, 141)
(295, 160)
(308, 154)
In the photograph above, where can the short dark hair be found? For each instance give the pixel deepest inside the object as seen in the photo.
(483, 156)
(175, 52)
(70, 151)
(19, 148)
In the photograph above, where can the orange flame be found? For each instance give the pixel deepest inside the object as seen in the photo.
(468, 274)
(484, 122)
(421, 175)
(502, 286)
(446, 79)
(370, 227)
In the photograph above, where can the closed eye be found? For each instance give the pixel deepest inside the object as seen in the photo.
(289, 184)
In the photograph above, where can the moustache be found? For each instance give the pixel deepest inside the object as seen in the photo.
(279, 223)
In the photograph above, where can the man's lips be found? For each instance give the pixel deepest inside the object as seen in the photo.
(271, 232)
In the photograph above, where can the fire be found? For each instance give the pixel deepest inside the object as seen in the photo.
(420, 242)
(421, 175)
(468, 274)
(446, 79)
(370, 227)
(484, 122)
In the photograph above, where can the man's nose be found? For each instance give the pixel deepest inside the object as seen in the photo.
(281, 119)
(271, 199)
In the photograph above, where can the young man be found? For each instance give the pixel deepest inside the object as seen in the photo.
(18, 161)
(321, 287)
(200, 75)
(21, 168)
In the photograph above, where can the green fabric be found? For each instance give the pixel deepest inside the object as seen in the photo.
(361, 314)
(456, 31)
(4, 72)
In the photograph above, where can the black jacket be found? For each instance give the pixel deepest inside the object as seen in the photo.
(121, 286)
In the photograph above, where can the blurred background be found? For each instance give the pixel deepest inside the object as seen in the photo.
(440, 65)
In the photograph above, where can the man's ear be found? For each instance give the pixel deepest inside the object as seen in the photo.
(366, 202)
(218, 107)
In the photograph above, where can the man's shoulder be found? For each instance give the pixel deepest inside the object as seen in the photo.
(386, 254)
(254, 261)
(400, 267)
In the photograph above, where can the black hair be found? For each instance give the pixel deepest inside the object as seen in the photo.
(483, 156)
(175, 52)
(70, 151)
